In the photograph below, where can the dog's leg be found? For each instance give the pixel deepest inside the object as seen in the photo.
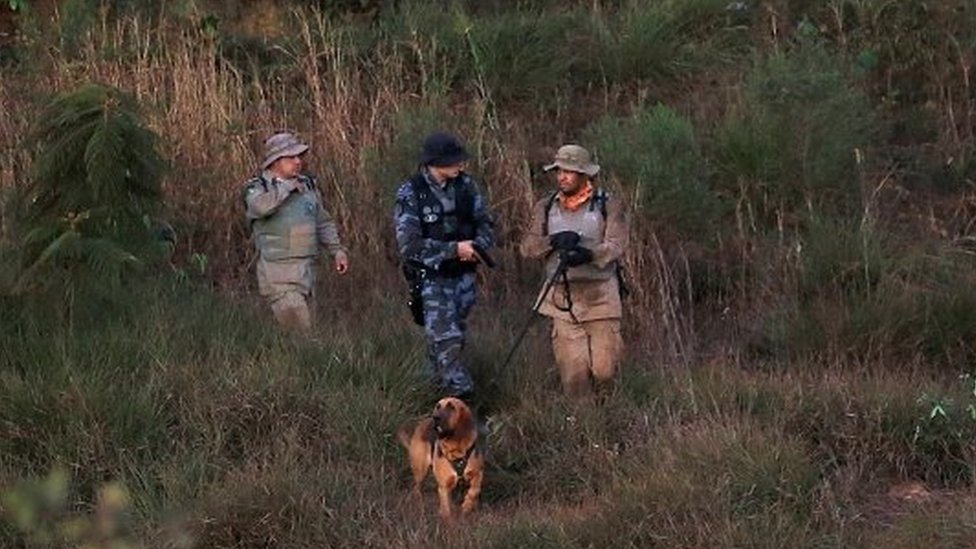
(419, 466)
(419, 452)
(444, 499)
(447, 481)
(474, 476)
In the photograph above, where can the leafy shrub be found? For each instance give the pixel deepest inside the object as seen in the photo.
(517, 56)
(706, 485)
(96, 185)
(400, 157)
(790, 149)
(436, 52)
(895, 303)
(656, 155)
(839, 256)
(663, 40)
(39, 509)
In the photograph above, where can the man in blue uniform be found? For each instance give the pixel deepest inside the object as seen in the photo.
(443, 230)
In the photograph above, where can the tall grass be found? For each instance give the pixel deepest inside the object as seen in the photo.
(790, 356)
(203, 409)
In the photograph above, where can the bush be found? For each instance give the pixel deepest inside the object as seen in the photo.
(664, 40)
(861, 299)
(656, 156)
(400, 158)
(707, 485)
(838, 256)
(427, 35)
(39, 509)
(790, 149)
(516, 56)
(96, 185)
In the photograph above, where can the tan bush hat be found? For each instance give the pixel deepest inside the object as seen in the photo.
(575, 159)
(281, 145)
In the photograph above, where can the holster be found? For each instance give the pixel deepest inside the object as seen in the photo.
(415, 296)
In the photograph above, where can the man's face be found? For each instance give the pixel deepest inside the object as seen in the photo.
(287, 167)
(570, 182)
(444, 173)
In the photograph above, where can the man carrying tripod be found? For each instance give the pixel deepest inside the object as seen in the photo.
(581, 232)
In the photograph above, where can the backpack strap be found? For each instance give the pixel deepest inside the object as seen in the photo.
(599, 200)
(420, 192)
(545, 213)
(309, 181)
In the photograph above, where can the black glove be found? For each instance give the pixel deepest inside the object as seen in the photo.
(578, 256)
(564, 240)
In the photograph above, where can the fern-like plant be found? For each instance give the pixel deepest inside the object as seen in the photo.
(95, 187)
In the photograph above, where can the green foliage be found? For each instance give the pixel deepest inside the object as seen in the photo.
(426, 33)
(401, 157)
(790, 150)
(511, 56)
(944, 426)
(663, 40)
(839, 256)
(861, 298)
(39, 509)
(516, 56)
(95, 153)
(656, 155)
(204, 409)
(706, 485)
(904, 41)
(96, 183)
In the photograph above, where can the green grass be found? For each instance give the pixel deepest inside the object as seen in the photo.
(229, 432)
(826, 347)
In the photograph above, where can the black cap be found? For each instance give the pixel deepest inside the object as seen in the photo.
(442, 149)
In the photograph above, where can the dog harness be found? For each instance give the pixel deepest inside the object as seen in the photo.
(458, 464)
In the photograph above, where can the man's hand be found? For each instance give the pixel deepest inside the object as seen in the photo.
(289, 185)
(578, 256)
(564, 241)
(341, 262)
(466, 251)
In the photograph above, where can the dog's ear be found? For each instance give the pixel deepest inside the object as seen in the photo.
(464, 423)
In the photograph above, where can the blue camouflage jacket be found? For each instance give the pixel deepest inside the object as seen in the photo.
(431, 253)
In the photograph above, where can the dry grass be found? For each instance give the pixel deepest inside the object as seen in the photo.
(236, 436)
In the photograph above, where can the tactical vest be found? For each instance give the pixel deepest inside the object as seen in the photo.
(591, 223)
(290, 232)
(447, 226)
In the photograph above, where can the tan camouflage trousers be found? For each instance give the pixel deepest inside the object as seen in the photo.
(292, 310)
(587, 354)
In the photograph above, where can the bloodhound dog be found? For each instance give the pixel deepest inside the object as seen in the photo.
(446, 442)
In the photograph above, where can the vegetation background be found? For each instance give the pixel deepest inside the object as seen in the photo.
(800, 179)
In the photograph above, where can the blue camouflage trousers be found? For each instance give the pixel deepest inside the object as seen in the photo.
(447, 303)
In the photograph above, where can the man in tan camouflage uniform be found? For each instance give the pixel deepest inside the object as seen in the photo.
(581, 227)
(290, 228)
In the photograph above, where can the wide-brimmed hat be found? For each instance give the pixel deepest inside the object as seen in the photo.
(575, 159)
(442, 149)
(281, 145)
